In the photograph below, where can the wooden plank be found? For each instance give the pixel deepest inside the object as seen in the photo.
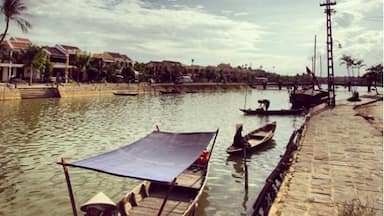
(190, 179)
(151, 205)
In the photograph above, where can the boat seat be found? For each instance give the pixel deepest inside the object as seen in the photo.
(258, 137)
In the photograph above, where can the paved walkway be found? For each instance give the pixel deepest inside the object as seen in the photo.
(340, 158)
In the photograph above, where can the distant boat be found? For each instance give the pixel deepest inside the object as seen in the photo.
(307, 97)
(255, 138)
(174, 167)
(121, 93)
(173, 91)
(273, 112)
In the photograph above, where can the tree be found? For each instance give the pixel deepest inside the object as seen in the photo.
(374, 74)
(358, 63)
(34, 58)
(12, 10)
(82, 63)
(348, 61)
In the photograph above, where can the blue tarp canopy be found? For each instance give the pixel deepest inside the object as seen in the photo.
(160, 156)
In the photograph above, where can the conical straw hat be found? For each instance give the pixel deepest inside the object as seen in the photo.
(99, 199)
(238, 126)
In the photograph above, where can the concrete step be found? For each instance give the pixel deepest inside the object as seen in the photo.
(29, 93)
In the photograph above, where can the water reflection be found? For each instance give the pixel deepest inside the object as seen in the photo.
(34, 134)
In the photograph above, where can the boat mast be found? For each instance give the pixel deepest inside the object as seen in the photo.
(314, 58)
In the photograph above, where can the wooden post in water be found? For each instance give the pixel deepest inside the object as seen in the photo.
(245, 100)
(68, 180)
(245, 168)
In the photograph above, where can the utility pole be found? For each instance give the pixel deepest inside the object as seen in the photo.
(331, 77)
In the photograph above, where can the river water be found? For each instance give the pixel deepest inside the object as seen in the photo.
(35, 134)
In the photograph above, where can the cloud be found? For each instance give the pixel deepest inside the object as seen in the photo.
(359, 35)
(210, 33)
(139, 29)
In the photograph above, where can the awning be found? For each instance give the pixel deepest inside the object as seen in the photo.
(160, 156)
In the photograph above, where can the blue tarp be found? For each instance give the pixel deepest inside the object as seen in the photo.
(160, 156)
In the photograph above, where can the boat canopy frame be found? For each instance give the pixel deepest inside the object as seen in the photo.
(137, 160)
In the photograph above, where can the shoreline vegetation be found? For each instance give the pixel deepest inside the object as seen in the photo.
(42, 90)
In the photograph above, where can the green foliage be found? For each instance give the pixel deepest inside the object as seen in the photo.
(12, 9)
(356, 208)
(35, 58)
(82, 63)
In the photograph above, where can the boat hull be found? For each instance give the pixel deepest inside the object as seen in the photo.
(256, 138)
(307, 98)
(272, 112)
(125, 94)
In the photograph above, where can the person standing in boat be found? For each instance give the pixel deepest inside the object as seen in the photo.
(264, 104)
(238, 140)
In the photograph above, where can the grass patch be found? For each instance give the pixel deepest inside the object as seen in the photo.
(356, 207)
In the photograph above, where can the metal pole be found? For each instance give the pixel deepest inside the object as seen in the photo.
(68, 180)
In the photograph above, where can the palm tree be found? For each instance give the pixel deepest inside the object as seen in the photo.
(348, 61)
(12, 10)
(82, 62)
(374, 74)
(358, 63)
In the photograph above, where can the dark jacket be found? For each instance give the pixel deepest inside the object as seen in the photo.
(238, 139)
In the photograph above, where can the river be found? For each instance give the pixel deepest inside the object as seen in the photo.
(35, 134)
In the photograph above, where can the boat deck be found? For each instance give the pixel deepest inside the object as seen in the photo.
(191, 178)
(180, 199)
(150, 206)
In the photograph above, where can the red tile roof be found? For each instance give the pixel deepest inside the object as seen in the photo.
(54, 52)
(20, 43)
(16, 43)
(69, 47)
(5, 44)
(104, 56)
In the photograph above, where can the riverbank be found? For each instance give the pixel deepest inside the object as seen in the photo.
(12, 92)
(339, 162)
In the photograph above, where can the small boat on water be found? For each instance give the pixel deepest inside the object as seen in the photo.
(255, 138)
(123, 93)
(307, 97)
(263, 112)
(173, 91)
(173, 166)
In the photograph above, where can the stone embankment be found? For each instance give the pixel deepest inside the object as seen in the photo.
(10, 91)
(339, 161)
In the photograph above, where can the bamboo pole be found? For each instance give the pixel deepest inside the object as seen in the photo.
(245, 100)
(69, 186)
(213, 145)
(166, 197)
(245, 168)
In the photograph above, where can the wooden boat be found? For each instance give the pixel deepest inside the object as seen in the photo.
(122, 93)
(307, 98)
(255, 138)
(173, 166)
(273, 112)
(173, 91)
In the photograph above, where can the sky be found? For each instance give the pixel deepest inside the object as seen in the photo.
(276, 35)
